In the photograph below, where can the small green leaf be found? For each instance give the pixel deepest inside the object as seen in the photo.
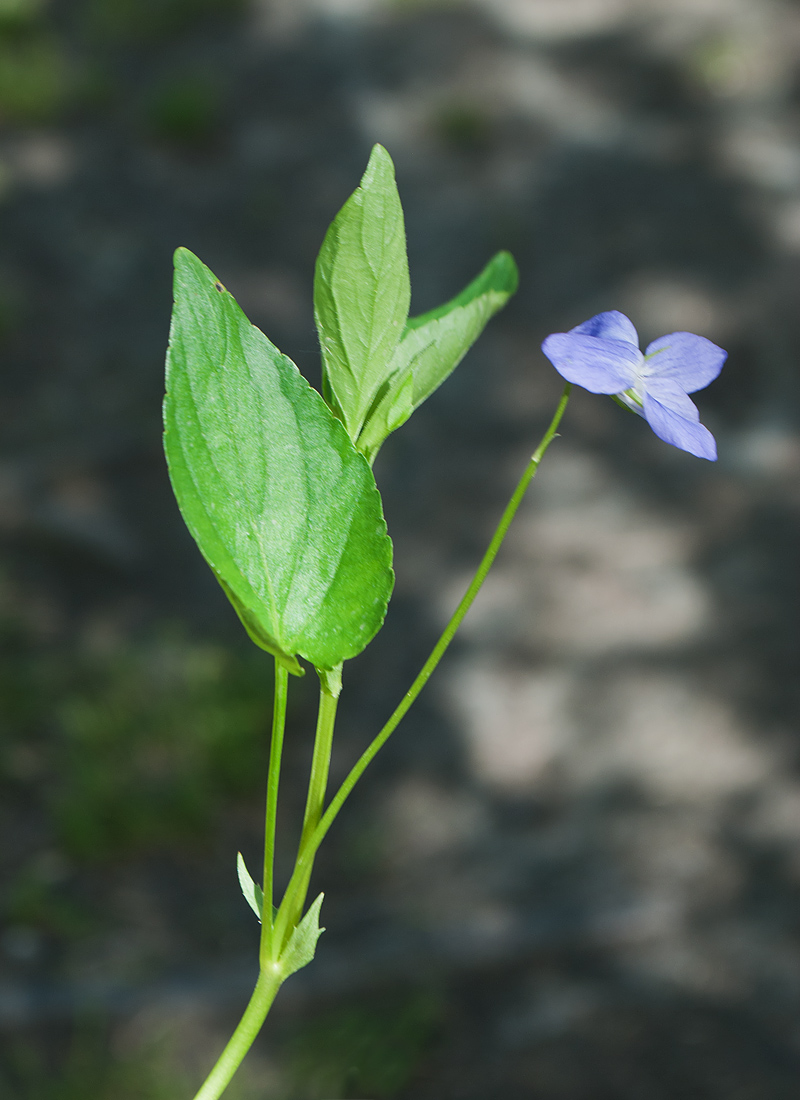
(300, 949)
(432, 347)
(362, 292)
(283, 508)
(253, 894)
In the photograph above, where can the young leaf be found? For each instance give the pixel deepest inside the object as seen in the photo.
(253, 894)
(302, 946)
(362, 292)
(283, 508)
(432, 347)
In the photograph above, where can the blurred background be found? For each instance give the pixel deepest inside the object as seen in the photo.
(574, 874)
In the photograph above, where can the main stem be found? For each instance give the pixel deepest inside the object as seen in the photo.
(308, 851)
(255, 1014)
(269, 978)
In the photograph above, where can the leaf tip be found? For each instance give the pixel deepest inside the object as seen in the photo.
(380, 152)
(379, 166)
(182, 256)
(507, 271)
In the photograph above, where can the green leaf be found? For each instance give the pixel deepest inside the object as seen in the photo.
(302, 946)
(283, 508)
(362, 292)
(432, 347)
(253, 894)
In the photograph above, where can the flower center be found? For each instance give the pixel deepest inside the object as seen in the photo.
(632, 399)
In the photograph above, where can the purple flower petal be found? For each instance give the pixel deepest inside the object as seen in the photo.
(691, 361)
(674, 418)
(599, 365)
(611, 325)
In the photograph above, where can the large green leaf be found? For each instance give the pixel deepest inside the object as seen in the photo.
(283, 508)
(362, 292)
(432, 347)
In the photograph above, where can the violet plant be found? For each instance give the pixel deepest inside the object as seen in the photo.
(275, 483)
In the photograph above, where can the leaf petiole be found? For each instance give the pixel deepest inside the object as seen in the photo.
(315, 802)
(267, 948)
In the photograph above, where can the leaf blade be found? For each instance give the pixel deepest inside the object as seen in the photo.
(362, 292)
(283, 508)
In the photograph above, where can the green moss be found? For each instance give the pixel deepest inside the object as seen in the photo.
(370, 1049)
(86, 1067)
(152, 743)
(12, 307)
(463, 127)
(186, 110)
(32, 902)
(421, 5)
(16, 15)
(87, 1064)
(152, 20)
(35, 78)
(136, 750)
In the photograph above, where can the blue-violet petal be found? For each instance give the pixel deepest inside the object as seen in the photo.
(611, 325)
(675, 419)
(691, 361)
(600, 366)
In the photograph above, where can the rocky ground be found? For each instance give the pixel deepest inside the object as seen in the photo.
(575, 872)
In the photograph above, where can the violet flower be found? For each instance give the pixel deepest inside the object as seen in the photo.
(603, 356)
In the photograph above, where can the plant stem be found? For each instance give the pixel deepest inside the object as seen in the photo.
(320, 764)
(317, 786)
(269, 978)
(269, 982)
(308, 851)
(267, 947)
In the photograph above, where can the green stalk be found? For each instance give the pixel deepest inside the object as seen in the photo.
(317, 787)
(270, 977)
(266, 949)
(320, 764)
(268, 984)
(308, 851)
